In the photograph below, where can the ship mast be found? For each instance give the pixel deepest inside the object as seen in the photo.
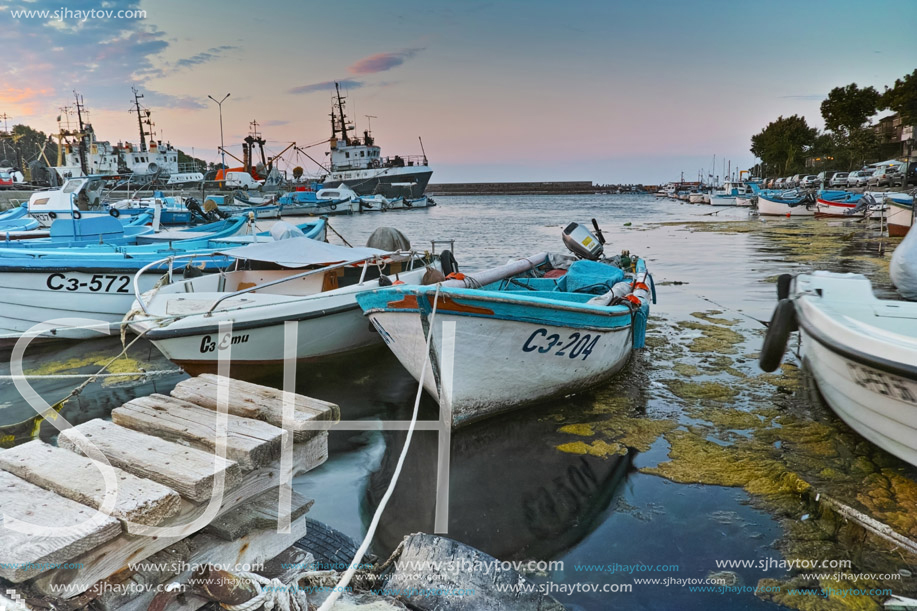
(343, 117)
(137, 97)
(83, 136)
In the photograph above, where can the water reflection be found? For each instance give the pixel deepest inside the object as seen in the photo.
(55, 369)
(512, 493)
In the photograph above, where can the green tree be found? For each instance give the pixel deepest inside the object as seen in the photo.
(862, 147)
(848, 108)
(782, 145)
(902, 98)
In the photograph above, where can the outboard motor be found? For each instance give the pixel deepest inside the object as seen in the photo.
(582, 242)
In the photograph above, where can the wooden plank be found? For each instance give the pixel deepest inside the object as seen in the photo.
(188, 471)
(260, 402)
(113, 556)
(251, 443)
(24, 555)
(79, 479)
(257, 514)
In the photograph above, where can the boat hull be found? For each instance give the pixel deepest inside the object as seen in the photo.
(861, 353)
(768, 207)
(320, 333)
(500, 365)
(31, 298)
(900, 217)
(825, 207)
(410, 181)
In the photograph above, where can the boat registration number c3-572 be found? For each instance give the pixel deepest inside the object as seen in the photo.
(882, 383)
(574, 346)
(98, 283)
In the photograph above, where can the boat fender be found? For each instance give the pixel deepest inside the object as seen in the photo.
(333, 206)
(191, 271)
(77, 215)
(407, 203)
(783, 285)
(782, 323)
(638, 321)
(115, 212)
(448, 262)
(52, 215)
(385, 281)
(432, 276)
(455, 276)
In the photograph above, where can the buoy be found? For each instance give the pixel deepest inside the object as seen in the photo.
(783, 322)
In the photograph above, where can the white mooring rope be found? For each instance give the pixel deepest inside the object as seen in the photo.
(348, 575)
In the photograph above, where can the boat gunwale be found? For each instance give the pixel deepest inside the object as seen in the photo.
(863, 358)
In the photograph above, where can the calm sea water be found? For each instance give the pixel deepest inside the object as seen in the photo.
(513, 493)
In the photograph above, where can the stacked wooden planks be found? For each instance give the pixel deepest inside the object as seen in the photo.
(188, 486)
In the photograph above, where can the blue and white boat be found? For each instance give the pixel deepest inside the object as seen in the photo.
(46, 286)
(730, 191)
(534, 329)
(786, 203)
(340, 200)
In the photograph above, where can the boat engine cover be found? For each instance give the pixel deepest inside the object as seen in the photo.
(582, 242)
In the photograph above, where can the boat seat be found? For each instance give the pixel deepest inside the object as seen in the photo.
(591, 277)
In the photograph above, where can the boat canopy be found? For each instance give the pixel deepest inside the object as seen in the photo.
(300, 252)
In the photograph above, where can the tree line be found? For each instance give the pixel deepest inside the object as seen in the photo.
(848, 142)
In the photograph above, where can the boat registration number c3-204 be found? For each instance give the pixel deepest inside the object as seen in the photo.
(98, 283)
(576, 345)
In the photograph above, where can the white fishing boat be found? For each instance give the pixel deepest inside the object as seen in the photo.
(358, 162)
(311, 283)
(696, 198)
(900, 215)
(539, 328)
(788, 203)
(861, 350)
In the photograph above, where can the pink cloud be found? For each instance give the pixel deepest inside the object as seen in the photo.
(380, 62)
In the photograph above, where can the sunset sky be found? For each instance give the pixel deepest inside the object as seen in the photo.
(506, 90)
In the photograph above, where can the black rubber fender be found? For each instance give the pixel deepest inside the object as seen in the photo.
(447, 260)
(783, 322)
(115, 212)
(52, 215)
(333, 206)
(783, 285)
(76, 214)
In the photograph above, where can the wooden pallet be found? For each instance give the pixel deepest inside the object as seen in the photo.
(169, 469)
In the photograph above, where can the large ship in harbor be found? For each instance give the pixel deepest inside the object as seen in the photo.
(357, 162)
(81, 153)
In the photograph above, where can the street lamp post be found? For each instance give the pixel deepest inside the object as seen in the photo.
(222, 148)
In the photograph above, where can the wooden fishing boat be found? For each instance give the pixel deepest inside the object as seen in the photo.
(900, 215)
(541, 327)
(861, 351)
(840, 203)
(787, 203)
(311, 283)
